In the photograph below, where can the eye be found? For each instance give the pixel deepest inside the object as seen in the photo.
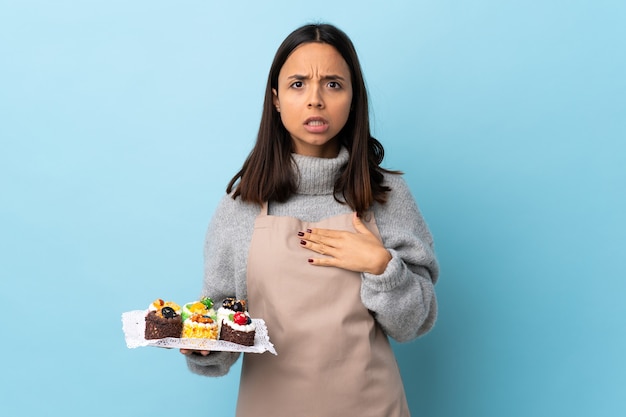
(334, 85)
(297, 84)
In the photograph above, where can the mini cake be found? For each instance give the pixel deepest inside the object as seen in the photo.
(238, 328)
(163, 320)
(199, 320)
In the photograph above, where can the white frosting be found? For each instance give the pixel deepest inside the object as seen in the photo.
(242, 328)
(190, 323)
(223, 313)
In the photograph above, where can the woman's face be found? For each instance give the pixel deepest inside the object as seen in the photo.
(314, 97)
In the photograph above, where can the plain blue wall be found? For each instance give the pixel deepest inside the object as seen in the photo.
(122, 121)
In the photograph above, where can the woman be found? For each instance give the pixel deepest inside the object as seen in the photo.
(328, 248)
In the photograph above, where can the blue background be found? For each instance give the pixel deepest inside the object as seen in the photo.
(122, 121)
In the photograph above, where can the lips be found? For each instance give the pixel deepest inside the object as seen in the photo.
(315, 121)
(316, 125)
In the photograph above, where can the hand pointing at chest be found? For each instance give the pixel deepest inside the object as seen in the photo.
(359, 251)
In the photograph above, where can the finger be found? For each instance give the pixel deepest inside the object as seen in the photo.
(190, 351)
(320, 248)
(323, 232)
(323, 261)
(320, 239)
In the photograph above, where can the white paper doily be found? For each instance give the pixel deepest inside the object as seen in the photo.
(134, 325)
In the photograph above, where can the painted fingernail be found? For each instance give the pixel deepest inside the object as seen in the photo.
(310, 260)
(309, 231)
(302, 242)
(300, 233)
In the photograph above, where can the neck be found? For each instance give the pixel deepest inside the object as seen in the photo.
(317, 175)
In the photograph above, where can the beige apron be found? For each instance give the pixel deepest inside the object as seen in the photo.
(333, 358)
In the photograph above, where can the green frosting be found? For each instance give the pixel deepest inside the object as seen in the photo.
(207, 302)
(185, 313)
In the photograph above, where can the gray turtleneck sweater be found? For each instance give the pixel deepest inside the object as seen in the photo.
(402, 298)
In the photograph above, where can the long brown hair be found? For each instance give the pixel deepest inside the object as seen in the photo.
(267, 173)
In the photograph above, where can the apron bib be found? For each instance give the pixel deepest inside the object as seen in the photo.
(333, 358)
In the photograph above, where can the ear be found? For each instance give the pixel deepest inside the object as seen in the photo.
(275, 99)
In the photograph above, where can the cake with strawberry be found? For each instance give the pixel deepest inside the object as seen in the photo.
(238, 328)
(200, 320)
(163, 320)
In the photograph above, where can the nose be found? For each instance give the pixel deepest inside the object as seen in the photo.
(315, 98)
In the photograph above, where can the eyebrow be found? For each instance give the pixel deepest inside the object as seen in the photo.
(324, 78)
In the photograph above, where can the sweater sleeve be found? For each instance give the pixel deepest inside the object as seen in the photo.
(225, 249)
(402, 298)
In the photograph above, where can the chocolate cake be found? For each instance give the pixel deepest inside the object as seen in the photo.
(238, 328)
(159, 327)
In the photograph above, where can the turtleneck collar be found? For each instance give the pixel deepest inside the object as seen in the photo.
(317, 176)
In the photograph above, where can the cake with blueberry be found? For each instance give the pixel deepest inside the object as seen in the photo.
(163, 320)
(238, 328)
(235, 323)
(200, 320)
